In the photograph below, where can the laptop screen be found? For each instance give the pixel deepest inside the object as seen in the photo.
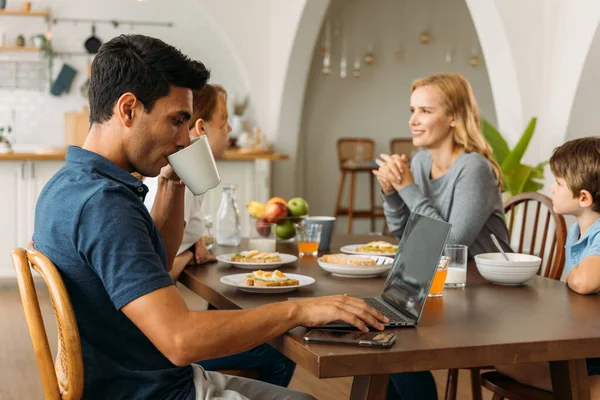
(419, 252)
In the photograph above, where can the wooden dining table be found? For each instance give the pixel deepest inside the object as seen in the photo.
(480, 325)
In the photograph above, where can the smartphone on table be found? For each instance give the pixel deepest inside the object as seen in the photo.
(357, 338)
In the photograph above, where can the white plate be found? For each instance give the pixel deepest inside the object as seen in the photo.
(351, 249)
(358, 271)
(238, 281)
(285, 259)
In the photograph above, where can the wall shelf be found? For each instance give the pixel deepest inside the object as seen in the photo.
(20, 48)
(25, 13)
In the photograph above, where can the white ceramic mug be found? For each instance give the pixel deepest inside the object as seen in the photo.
(195, 165)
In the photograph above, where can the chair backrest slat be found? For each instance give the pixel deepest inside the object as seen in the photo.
(535, 223)
(545, 234)
(64, 378)
(552, 262)
(35, 322)
(523, 226)
(511, 211)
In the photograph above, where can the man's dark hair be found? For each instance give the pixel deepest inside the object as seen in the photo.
(142, 65)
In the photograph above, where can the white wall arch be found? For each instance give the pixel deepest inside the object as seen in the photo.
(500, 64)
(287, 176)
(535, 53)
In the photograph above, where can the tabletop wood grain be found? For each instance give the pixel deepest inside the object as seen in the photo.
(482, 324)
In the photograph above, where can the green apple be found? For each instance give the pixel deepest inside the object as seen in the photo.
(297, 207)
(285, 229)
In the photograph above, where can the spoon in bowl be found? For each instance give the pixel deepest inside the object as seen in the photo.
(498, 246)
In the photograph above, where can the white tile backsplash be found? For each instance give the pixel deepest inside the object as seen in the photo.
(37, 117)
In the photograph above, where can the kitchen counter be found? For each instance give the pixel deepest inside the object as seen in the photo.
(59, 154)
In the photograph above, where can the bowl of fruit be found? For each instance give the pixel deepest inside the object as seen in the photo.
(281, 212)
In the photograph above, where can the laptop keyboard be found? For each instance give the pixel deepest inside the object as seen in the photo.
(386, 310)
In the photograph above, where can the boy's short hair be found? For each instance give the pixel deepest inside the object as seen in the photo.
(578, 163)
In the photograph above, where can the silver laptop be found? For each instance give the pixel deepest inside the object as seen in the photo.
(408, 282)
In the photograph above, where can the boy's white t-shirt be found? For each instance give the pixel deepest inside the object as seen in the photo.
(192, 214)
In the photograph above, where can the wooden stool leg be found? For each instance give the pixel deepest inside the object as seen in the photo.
(351, 202)
(372, 184)
(476, 384)
(338, 201)
(452, 384)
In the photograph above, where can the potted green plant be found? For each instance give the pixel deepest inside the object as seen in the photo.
(517, 177)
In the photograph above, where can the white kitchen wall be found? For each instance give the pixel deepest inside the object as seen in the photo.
(38, 117)
(377, 104)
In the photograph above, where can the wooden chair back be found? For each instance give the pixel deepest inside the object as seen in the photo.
(402, 146)
(63, 379)
(545, 231)
(359, 150)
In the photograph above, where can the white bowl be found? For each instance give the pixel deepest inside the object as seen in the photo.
(520, 268)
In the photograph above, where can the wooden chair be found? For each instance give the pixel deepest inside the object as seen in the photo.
(504, 387)
(550, 247)
(355, 155)
(64, 378)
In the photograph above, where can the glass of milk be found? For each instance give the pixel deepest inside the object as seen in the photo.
(457, 268)
(262, 236)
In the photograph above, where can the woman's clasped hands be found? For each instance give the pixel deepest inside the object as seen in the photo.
(393, 173)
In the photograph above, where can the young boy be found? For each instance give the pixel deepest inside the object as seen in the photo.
(576, 191)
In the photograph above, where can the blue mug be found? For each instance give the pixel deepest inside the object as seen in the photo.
(328, 224)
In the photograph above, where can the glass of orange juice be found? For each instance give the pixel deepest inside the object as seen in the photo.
(308, 238)
(440, 277)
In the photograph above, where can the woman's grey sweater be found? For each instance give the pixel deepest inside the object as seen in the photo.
(467, 196)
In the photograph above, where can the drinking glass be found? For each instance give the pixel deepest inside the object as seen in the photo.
(457, 268)
(308, 238)
(262, 236)
(440, 278)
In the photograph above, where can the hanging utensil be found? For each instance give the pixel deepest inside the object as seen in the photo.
(343, 59)
(92, 44)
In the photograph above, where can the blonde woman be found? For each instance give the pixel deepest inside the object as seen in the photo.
(455, 179)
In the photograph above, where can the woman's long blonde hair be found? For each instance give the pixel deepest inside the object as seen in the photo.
(459, 102)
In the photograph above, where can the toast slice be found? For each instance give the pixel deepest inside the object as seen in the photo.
(347, 259)
(378, 247)
(269, 279)
(255, 257)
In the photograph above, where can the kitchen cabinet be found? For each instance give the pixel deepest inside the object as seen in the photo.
(22, 182)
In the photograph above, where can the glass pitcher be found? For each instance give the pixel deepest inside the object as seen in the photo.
(229, 231)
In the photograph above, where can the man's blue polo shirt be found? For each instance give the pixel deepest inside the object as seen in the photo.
(90, 220)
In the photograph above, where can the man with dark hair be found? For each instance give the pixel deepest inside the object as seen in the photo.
(138, 337)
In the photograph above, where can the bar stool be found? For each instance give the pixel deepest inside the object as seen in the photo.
(355, 155)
